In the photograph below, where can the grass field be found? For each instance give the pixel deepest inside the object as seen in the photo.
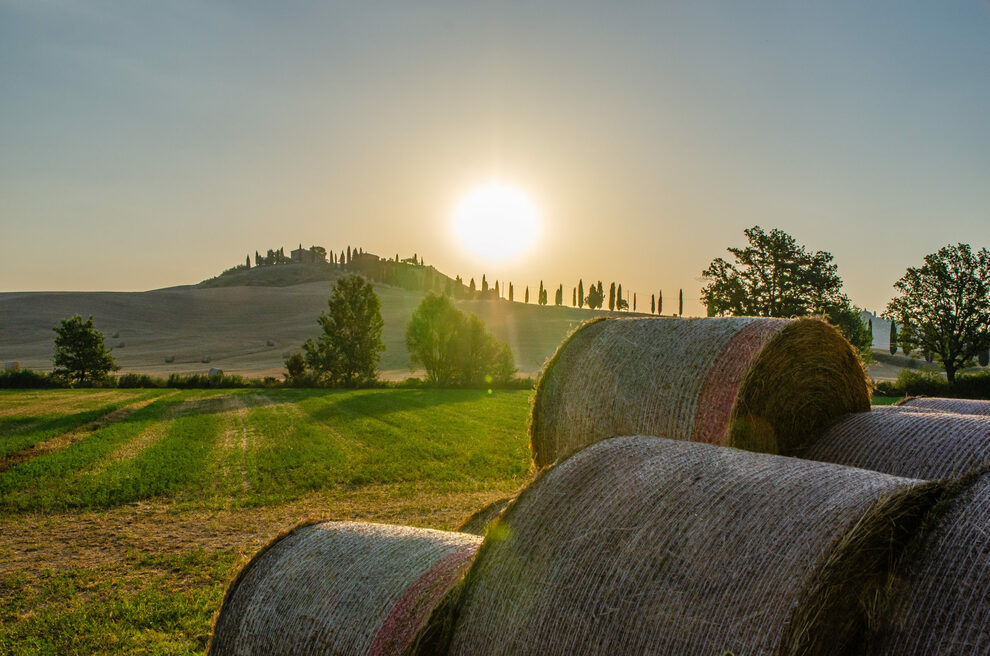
(123, 513)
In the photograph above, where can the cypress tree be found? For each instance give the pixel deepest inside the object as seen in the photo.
(680, 303)
(247, 261)
(573, 296)
(484, 286)
(348, 254)
(618, 296)
(611, 297)
(653, 303)
(660, 302)
(527, 293)
(893, 337)
(634, 301)
(511, 294)
(580, 293)
(496, 291)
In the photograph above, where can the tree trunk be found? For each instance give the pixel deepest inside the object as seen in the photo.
(950, 372)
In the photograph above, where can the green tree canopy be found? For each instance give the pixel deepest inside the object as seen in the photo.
(348, 350)
(943, 306)
(774, 276)
(455, 347)
(80, 354)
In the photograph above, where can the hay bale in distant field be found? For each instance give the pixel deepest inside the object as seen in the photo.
(916, 443)
(206, 359)
(642, 545)
(115, 334)
(959, 406)
(270, 342)
(758, 384)
(340, 588)
(478, 522)
(11, 365)
(942, 605)
(215, 372)
(120, 344)
(169, 358)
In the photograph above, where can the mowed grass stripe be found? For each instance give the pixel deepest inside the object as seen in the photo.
(174, 463)
(60, 401)
(39, 483)
(289, 455)
(438, 435)
(24, 431)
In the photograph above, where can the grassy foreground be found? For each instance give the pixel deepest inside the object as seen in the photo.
(123, 513)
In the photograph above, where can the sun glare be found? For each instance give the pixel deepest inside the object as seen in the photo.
(496, 221)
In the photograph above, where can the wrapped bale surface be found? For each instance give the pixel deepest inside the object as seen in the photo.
(905, 442)
(641, 545)
(754, 383)
(943, 603)
(478, 523)
(340, 588)
(959, 406)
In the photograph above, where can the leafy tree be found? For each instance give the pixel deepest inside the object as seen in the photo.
(295, 369)
(943, 306)
(455, 347)
(611, 297)
(80, 355)
(893, 337)
(595, 297)
(348, 351)
(580, 293)
(773, 276)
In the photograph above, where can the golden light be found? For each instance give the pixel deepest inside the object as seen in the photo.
(496, 221)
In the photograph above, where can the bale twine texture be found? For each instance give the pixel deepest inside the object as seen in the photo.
(640, 545)
(478, 523)
(340, 588)
(943, 604)
(959, 406)
(916, 444)
(754, 383)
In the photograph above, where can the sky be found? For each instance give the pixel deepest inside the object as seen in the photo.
(150, 144)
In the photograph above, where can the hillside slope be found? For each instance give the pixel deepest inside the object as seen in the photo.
(233, 325)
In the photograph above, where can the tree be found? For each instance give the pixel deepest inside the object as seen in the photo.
(660, 302)
(772, 277)
(618, 297)
(680, 303)
(348, 351)
(80, 354)
(455, 347)
(484, 286)
(558, 297)
(611, 297)
(943, 306)
(511, 293)
(472, 289)
(527, 293)
(580, 293)
(573, 296)
(893, 337)
(595, 297)
(653, 303)
(247, 262)
(634, 301)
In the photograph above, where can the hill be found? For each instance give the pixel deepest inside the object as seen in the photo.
(235, 324)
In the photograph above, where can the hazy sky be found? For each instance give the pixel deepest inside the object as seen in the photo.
(148, 144)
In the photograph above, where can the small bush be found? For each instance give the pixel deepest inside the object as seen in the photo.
(134, 381)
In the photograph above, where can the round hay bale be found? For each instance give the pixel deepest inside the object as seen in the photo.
(942, 605)
(270, 342)
(916, 443)
(639, 545)
(215, 372)
(758, 384)
(169, 358)
(340, 588)
(959, 406)
(206, 358)
(478, 523)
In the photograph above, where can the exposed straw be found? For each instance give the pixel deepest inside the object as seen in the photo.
(640, 545)
(340, 588)
(917, 443)
(959, 406)
(943, 604)
(759, 384)
(478, 523)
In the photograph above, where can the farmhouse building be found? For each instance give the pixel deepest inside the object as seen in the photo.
(313, 254)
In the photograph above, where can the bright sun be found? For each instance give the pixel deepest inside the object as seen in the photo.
(496, 221)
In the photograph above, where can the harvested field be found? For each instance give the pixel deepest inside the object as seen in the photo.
(904, 441)
(341, 588)
(959, 406)
(760, 384)
(645, 545)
